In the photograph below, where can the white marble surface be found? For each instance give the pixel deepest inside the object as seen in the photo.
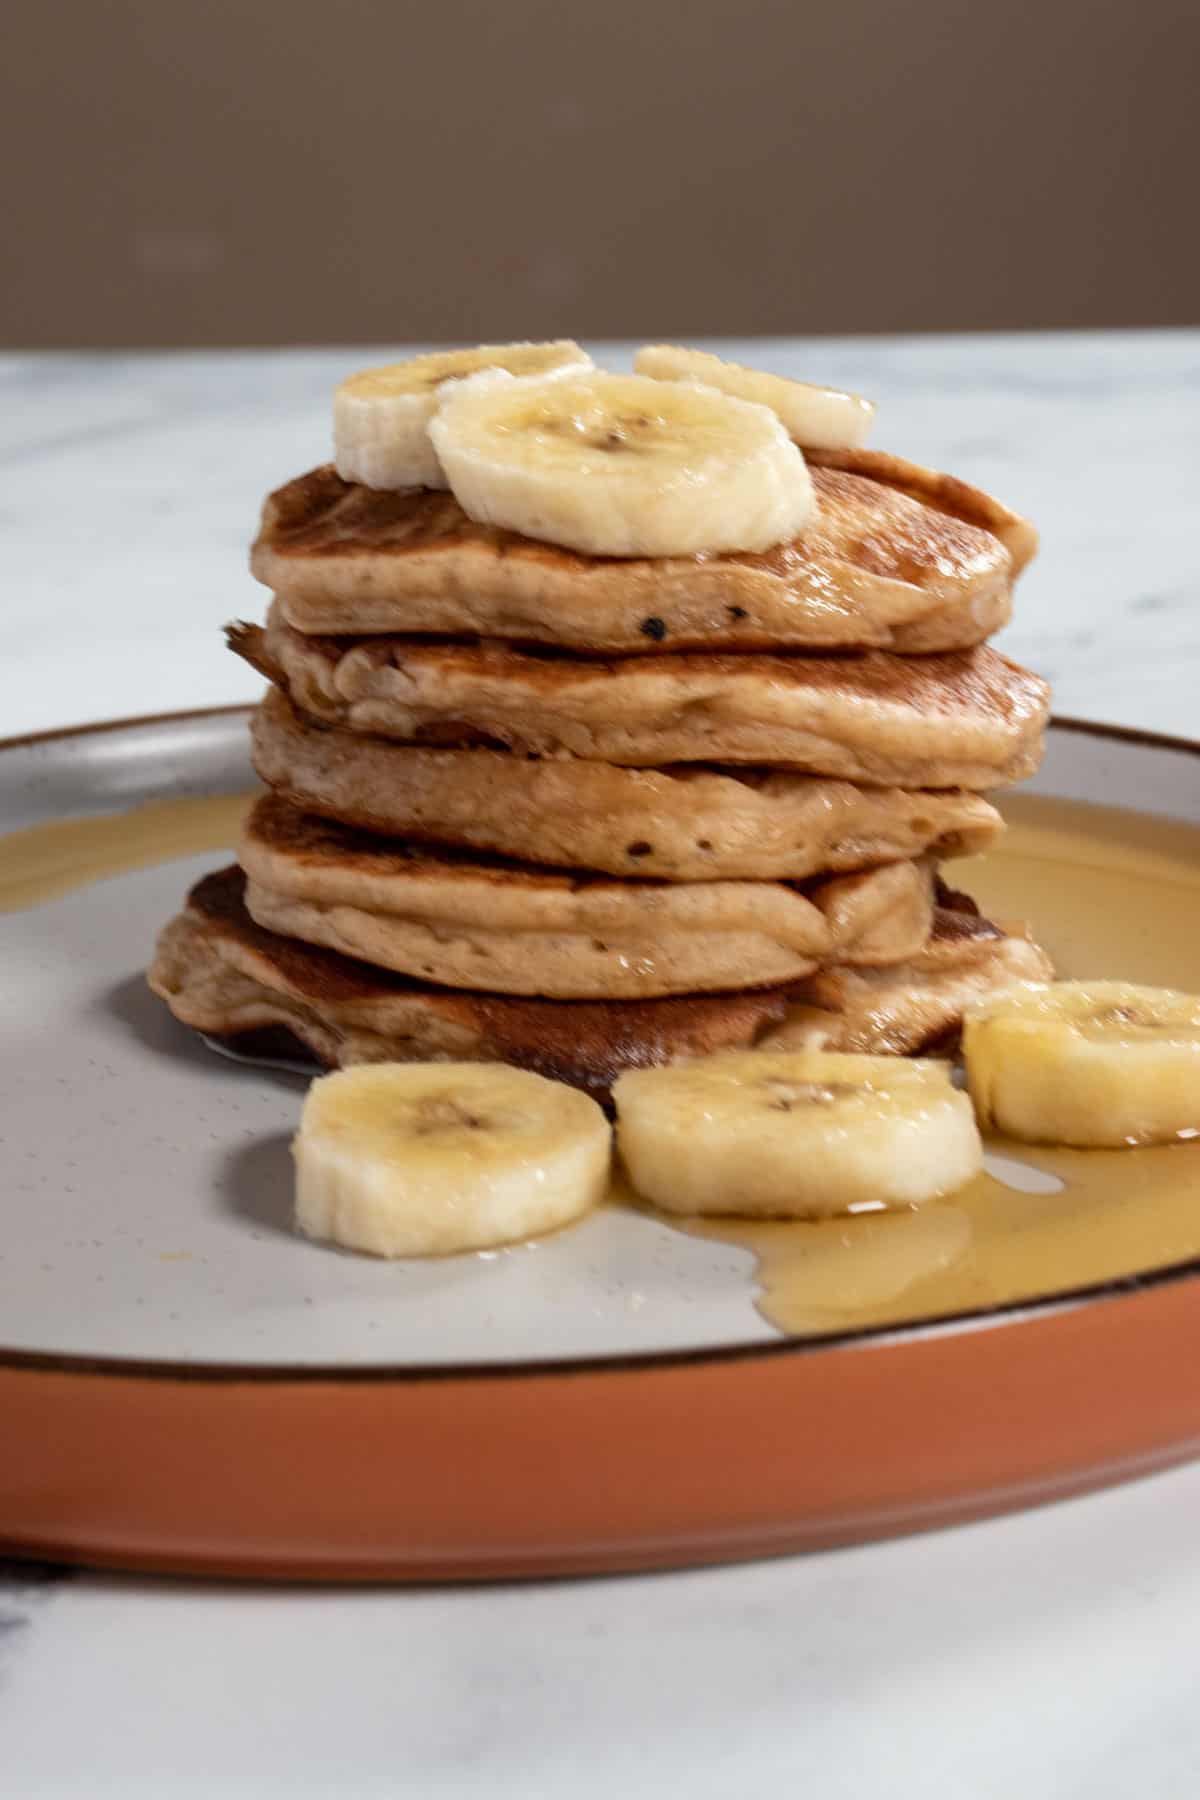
(1049, 1656)
(1052, 1654)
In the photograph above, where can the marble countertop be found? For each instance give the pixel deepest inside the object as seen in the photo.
(1052, 1653)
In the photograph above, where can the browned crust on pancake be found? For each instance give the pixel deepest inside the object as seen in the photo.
(897, 557)
(328, 997)
(944, 493)
(973, 719)
(684, 823)
(906, 1009)
(222, 974)
(276, 825)
(473, 922)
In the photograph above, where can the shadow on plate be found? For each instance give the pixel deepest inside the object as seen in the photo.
(148, 1019)
(256, 1184)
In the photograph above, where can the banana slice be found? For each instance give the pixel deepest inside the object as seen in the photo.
(1099, 1064)
(799, 1136)
(820, 418)
(381, 416)
(421, 1159)
(619, 465)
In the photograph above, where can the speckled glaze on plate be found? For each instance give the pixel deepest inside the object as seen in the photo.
(187, 1385)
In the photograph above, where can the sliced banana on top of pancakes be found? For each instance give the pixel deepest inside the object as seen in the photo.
(381, 416)
(621, 465)
(692, 455)
(819, 418)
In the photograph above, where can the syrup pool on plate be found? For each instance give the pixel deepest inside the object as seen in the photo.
(1111, 894)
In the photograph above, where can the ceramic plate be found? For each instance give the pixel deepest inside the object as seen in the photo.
(186, 1384)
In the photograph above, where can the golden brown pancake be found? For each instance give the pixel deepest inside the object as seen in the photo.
(224, 975)
(945, 493)
(515, 928)
(972, 720)
(897, 1011)
(682, 823)
(897, 557)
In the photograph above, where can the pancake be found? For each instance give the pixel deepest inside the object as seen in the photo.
(222, 974)
(677, 824)
(944, 493)
(898, 1011)
(972, 720)
(897, 557)
(506, 927)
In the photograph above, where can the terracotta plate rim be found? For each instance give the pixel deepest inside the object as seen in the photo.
(227, 1374)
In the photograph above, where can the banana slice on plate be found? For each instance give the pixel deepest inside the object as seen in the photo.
(421, 1159)
(801, 1136)
(381, 416)
(619, 465)
(820, 418)
(1095, 1064)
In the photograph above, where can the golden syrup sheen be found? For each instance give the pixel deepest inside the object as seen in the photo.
(1110, 894)
(48, 861)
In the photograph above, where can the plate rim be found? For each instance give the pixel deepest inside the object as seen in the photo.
(1008, 1313)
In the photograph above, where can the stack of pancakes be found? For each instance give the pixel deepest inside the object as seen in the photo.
(585, 813)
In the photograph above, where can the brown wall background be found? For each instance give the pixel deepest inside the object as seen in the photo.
(338, 170)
